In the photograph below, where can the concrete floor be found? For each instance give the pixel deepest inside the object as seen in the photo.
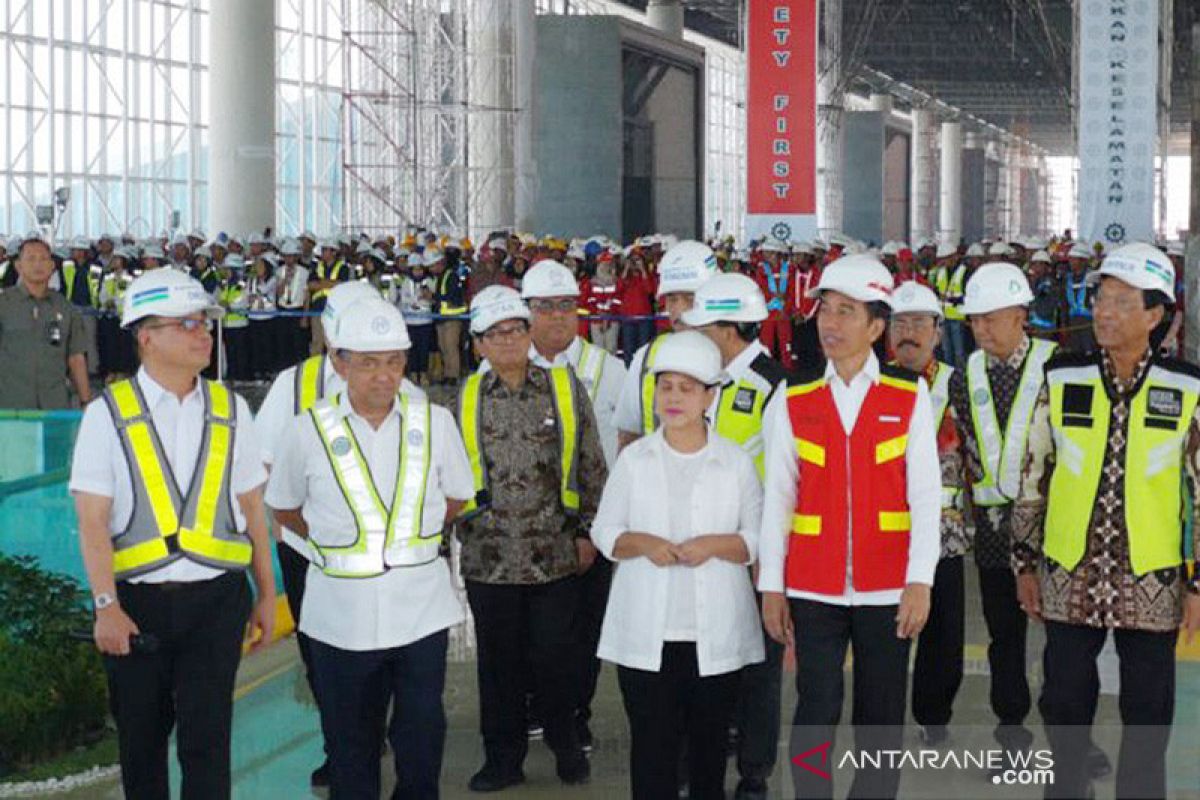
(276, 740)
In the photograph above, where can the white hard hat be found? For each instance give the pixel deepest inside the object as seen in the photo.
(1080, 250)
(1175, 249)
(802, 248)
(166, 293)
(1000, 249)
(945, 250)
(975, 251)
(911, 297)
(180, 239)
(548, 278)
(861, 277)
(994, 286)
(340, 298)
(290, 247)
(1140, 265)
(891, 248)
(81, 243)
(234, 261)
(197, 233)
(494, 304)
(433, 256)
(685, 267)
(370, 325)
(689, 353)
(773, 245)
(1041, 256)
(819, 244)
(668, 240)
(727, 297)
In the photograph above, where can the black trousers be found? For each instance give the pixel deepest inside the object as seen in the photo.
(186, 684)
(1147, 704)
(806, 344)
(237, 353)
(823, 632)
(520, 628)
(593, 600)
(364, 684)
(673, 707)
(1006, 624)
(938, 666)
(423, 343)
(294, 569)
(758, 712)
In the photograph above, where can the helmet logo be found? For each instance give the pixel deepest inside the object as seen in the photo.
(380, 326)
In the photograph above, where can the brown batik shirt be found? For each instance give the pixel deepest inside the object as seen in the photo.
(524, 536)
(1102, 591)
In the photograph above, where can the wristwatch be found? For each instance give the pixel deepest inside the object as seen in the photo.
(103, 601)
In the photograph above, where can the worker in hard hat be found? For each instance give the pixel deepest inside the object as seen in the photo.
(450, 303)
(993, 400)
(774, 274)
(329, 270)
(1099, 540)
(369, 476)
(1044, 308)
(680, 513)
(850, 444)
(1077, 300)
(806, 343)
(166, 563)
(729, 309)
(293, 392)
(956, 341)
(538, 473)
(914, 331)
(552, 294)
(683, 269)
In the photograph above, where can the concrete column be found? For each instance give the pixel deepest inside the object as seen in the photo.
(241, 80)
(666, 16)
(1191, 269)
(525, 166)
(881, 102)
(831, 113)
(950, 217)
(924, 188)
(490, 118)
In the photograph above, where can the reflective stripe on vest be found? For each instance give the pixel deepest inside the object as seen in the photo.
(386, 537)
(649, 418)
(954, 293)
(310, 383)
(590, 368)
(739, 415)
(94, 277)
(1077, 298)
(334, 273)
(444, 307)
(939, 396)
(1080, 418)
(563, 390)
(165, 526)
(1000, 455)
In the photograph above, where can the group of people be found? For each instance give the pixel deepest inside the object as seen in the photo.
(686, 517)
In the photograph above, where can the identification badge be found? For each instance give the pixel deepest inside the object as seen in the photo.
(416, 438)
(340, 446)
(744, 400)
(981, 397)
(1165, 402)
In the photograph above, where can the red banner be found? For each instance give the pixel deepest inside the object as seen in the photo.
(781, 118)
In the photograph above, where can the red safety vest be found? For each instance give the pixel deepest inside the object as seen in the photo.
(857, 481)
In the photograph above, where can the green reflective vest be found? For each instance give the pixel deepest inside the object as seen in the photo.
(952, 293)
(1160, 414)
(309, 384)
(741, 403)
(646, 396)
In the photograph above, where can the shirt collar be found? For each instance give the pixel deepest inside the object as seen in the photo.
(153, 391)
(1123, 388)
(344, 409)
(568, 356)
(870, 369)
(534, 374)
(1015, 360)
(740, 364)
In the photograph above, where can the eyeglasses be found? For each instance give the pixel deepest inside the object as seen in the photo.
(496, 334)
(916, 324)
(564, 306)
(187, 324)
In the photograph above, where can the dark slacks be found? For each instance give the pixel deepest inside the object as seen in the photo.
(673, 707)
(1147, 704)
(294, 569)
(823, 632)
(1006, 624)
(938, 666)
(186, 684)
(593, 599)
(360, 685)
(523, 632)
(423, 343)
(758, 713)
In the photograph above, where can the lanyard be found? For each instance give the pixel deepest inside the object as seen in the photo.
(776, 288)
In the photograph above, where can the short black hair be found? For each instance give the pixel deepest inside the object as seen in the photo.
(746, 331)
(34, 240)
(877, 309)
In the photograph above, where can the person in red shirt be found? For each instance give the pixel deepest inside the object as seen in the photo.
(598, 294)
(806, 345)
(774, 275)
(906, 269)
(635, 298)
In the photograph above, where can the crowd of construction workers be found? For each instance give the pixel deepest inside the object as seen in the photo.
(676, 457)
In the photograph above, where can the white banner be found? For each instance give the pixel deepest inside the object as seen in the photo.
(1118, 119)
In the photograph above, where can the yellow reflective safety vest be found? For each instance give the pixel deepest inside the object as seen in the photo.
(590, 368)
(167, 525)
(939, 397)
(1002, 453)
(384, 537)
(646, 396)
(566, 409)
(94, 277)
(952, 293)
(324, 272)
(309, 383)
(741, 403)
(1160, 415)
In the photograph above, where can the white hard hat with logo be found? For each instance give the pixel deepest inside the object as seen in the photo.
(1041, 257)
(975, 251)
(166, 293)
(548, 278)
(338, 300)
(686, 267)
(773, 245)
(727, 297)
(1000, 249)
(689, 353)
(1080, 250)
(1140, 265)
(994, 286)
(911, 297)
(860, 277)
(945, 250)
(370, 325)
(495, 304)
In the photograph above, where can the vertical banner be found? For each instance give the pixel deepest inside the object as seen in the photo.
(1118, 119)
(781, 119)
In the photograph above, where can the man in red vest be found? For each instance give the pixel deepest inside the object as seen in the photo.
(850, 529)
(774, 275)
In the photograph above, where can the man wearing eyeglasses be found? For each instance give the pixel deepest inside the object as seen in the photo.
(538, 474)
(168, 480)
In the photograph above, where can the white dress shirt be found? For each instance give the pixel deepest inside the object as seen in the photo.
(628, 415)
(725, 499)
(404, 604)
(99, 466)
(291, 293)
(923, 485)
